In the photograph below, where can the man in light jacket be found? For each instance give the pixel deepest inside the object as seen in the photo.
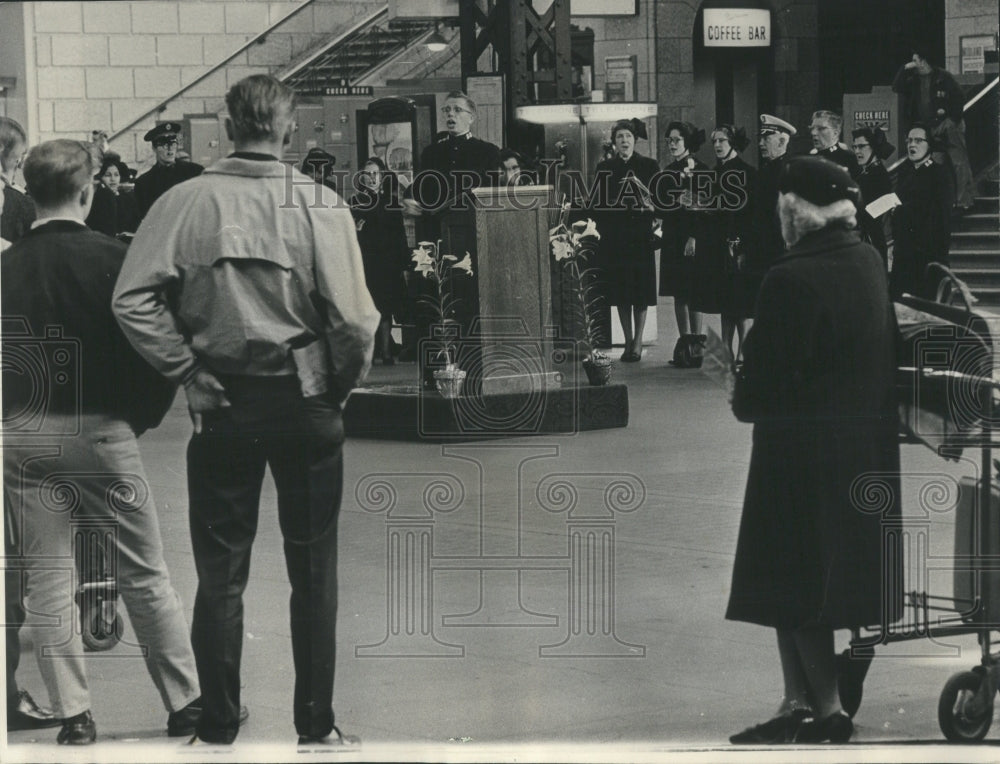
(244, 289)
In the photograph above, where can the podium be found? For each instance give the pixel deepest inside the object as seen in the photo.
(505, 308)
(521, 358)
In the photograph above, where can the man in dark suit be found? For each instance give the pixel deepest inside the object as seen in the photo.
(57, 283)
(825, 131)
(167, 172)
(451, 166)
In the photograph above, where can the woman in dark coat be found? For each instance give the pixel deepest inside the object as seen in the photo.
(818, 385)
(921, 225)
(724, 236)
(384, 249)
(114, 210)
(871, 148)
(624, 218)
(679, 232)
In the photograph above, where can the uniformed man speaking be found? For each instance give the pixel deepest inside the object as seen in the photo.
(167, 172)
(454, 163)
(449, 167)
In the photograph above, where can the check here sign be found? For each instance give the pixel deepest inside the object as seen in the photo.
(737, 27)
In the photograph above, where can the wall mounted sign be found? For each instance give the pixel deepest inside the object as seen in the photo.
(737, 27)
(973, 52)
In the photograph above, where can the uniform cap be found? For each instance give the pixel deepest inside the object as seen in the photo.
(163, 130)
(818, 181)
(772, 124)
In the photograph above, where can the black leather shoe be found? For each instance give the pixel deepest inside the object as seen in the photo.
(835, 728)
(780, 729)
(26, 714)
(335, 739)
(78, 730)
(184, 722)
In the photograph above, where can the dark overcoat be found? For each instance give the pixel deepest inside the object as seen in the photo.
(626, 245)
(679, 224)
(384, 249)
(873, 180)
(921, 227)
(717, 287)
(818, 385)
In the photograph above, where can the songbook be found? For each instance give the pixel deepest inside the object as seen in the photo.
(882, 205)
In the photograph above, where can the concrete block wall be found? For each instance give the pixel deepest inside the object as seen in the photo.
(966, 17)
(794, 25)
(101, 65)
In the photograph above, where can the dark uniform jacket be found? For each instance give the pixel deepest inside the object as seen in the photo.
(626, 227)
(841, 156)
(18, 214)
(944, 93)
(59, 277)
(818, 383)
(921, 227)
(151, 185)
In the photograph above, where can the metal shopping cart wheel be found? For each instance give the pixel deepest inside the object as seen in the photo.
(102, 630)
(965, 709)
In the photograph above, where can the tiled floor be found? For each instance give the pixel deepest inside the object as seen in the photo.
(510, 649)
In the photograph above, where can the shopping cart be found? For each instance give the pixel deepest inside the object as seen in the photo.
(95, 551)
(948, 396)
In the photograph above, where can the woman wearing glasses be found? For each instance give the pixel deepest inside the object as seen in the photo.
(921, 225)
(677, 252)
(871, 148)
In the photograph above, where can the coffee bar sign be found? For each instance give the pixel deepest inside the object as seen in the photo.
(737, 27)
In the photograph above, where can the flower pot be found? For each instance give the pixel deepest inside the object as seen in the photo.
(449, 381)
(598, 369)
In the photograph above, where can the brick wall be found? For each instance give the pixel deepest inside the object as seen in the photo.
(101, 65)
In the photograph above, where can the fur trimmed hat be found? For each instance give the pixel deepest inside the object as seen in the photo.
(818, 181)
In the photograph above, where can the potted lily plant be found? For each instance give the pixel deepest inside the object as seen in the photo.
(440, 269)
(570, 243)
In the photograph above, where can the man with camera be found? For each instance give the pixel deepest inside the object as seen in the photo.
(75, 397)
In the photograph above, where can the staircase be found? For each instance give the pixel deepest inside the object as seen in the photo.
(975, 247)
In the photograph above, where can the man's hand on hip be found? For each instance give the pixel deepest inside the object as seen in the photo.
(204, 393)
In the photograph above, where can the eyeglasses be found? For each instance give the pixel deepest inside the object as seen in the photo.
(821, 127)
(164, 144)
(861, 145)
(916, 140)
(675, 140)
(453, 110)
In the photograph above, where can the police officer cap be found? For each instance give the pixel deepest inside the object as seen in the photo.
(819, 181)
(772, 124)
(163, 130)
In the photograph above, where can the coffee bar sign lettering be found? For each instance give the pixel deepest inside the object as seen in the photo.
(737, 28)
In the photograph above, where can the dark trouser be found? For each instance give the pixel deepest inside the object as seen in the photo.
(269, 423)
(13, 609)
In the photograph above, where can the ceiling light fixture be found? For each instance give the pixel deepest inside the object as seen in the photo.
(436, 43)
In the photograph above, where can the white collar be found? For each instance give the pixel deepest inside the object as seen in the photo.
(42, 221)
